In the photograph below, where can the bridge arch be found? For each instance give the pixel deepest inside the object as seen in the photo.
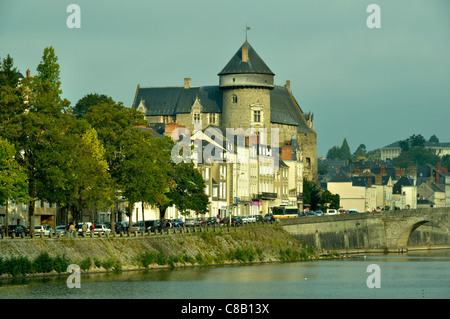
(402, 242)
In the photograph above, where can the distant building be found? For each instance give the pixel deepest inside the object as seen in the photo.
(393, 150)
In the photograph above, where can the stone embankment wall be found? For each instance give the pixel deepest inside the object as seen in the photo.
(257, 243)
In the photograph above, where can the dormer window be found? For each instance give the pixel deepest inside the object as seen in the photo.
(196, 118)
(256, 116)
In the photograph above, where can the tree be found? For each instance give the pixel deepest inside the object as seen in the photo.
(36, 126)
(344, 152)
(48, 69)
(114, 124)
(415, 156)
(141, 178)
(329, 200)
(189, 192)
(83, 105)
(311, 193)
(9, 76)
(416, 140)
(91, 182)
(433, 139)
(13, 180)
(334, 153)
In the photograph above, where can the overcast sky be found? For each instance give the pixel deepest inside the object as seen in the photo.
(371, 86)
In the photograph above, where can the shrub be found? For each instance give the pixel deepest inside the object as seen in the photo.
(113, 264)
(18, 266)
(60, 264)
(97, 262)
(43, 263)
(3, 266)
(108, 264)
(85, 264)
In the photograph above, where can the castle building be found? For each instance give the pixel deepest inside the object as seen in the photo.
(245, 98)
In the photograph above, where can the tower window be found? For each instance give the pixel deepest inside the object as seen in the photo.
(234, 98)
(212, 118)
(196, 118)
(257, 116)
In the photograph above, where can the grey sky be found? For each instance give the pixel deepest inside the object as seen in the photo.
(371, 86)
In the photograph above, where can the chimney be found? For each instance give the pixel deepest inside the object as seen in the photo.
(244, 54)
(28, 73)
(187, 83)
(288, 85)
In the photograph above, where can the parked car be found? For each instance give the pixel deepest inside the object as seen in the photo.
(269, 218)
(236, 220)
(332, 212)
(177, 223)
(353, 211)
(79, 226)
(153, 226)
(310, 213)
(121, 226)
(50, 229)
(191, 222)
(225, 220)
(41, 230)
(100, 228)
(61, 229)
(248, 219)
(213, 221)
(319, 213)
(259, 218)
(17, 230)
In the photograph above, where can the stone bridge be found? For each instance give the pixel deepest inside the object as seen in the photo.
(387, 231)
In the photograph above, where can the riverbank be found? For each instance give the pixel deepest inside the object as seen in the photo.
(51, 256)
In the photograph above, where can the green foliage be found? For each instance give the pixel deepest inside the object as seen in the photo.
(340, 153)
(415, 156)
(43, 263)
(86, 264)
(83, 105)
(113, 264)
(9, 75)
(60, 264)
(16, 266)
(48, 69)
(13, 179)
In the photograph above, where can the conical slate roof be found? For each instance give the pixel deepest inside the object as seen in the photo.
(254, 65)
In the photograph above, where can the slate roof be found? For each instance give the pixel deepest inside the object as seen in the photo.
(174, 100)
(255, 64)
(284, 109)
(170, 101)
(341, 177)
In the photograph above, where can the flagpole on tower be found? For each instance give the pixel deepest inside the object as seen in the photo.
(246, 29)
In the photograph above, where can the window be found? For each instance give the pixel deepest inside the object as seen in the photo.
(212, 118)
(234, 98)
(166, 119)
(257, 116)
(196, 118)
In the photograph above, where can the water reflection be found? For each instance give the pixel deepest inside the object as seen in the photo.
(411, 275)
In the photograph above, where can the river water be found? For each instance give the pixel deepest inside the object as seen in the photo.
(413, 275)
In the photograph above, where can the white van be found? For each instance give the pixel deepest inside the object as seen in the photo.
(79, 228)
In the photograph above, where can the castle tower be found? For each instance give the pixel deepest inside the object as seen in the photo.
(246, 82)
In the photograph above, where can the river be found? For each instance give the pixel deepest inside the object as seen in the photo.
(412, 275)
